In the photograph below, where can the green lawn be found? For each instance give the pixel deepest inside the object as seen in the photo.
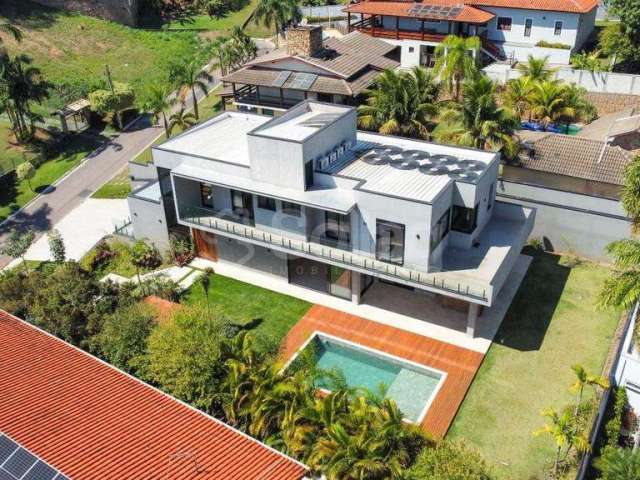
(118, 187)
(273, 313)
(11, 155)
(15, 194)
(207, 108)
(551, 325)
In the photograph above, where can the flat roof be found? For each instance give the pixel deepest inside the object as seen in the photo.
(302, 121)
(411, 169)
(92, 421)
(224, 137)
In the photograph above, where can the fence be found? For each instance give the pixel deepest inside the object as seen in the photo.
(326, 11)
(600, 82)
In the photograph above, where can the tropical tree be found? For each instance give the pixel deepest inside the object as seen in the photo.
(517, 95)
(181, 119)
(477, 121)
(562, 428)
(220, 49)
(401, 103)
(205, 282)
(536, 69)
(450, 461)
(549, 103)
(243, 47)
(191, 77)
(17, 245)
(277, 14)
(588, 61)
(622, 288)
(113, 100)
(144, 255)
(56, 246)
(25, 172)
(157, 101)
(630, 195)
(584, 379)
(618, 463)
(456, 61)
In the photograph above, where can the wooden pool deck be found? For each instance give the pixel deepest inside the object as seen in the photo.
(459, 363)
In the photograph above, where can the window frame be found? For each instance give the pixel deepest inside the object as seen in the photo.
(528, 34)
(270, 203)
(386, 256)
(246, 200)
(308, 174)
(342, 232)
(498, 25)
(558, 31)
(473, 221)
(438, 232)
(287, 209)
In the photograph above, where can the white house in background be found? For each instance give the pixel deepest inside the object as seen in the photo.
(310, 201)
(509, 29)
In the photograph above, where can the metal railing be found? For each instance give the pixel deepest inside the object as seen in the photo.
(447, 282)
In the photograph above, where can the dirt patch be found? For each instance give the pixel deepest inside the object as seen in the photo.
(164, 309)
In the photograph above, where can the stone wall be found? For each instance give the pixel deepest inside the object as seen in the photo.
(121, 11)
(304, 40)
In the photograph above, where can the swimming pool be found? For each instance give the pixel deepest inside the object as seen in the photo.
(411, 385)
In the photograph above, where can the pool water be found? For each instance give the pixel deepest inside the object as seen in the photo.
(410, 386)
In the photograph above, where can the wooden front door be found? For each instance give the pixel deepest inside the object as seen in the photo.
(205, 244)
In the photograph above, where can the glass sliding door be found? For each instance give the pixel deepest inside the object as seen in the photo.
(242, 206)
(390, 242)
(340, 282)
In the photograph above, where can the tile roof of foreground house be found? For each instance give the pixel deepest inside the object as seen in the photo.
(576, 157)
(469, 12)
(89, 420)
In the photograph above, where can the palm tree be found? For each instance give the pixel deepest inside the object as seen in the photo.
(588, 61)
(583, 379)
(517, 95)
(477, 121)
(536, 69)
(220, 48)
(157, 102)
(561, 428)
(630, 195)
(181, 119)
(191, 77)
(400, 103)
(277, 14)
(456, 62)
(243, 46)
(549, 103)
(622, 288)
(583, 110)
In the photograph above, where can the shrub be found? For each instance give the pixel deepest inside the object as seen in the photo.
(56, 246)
(545, 44)
(614, 425)
(181, 251)
(160, 286)
(145, 255)
(103, 254)
(450, 461)
(619, 464)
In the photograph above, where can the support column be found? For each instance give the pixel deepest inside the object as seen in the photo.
(397, 28)
(356, 287)
(472, 319)
(348, 22)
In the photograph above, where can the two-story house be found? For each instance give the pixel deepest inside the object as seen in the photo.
(507, 28)
(310, 200)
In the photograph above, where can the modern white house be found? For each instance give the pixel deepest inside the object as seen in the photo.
(508, 29)
(311, 201)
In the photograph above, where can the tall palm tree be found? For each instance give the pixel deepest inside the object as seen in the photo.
(517, 95)
(400, 103)
(181, 119)
(455, 61)
(549, 103)
(277, 14)
(157, 102)
(561, 428)
(630, 195)
(220, 48)
(536, 69)
(477, 121)
(192, 77)
(584, 379)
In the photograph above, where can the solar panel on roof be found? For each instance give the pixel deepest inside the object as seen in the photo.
(303, 81)
(320, 120)
(281, 78)
(16, 462)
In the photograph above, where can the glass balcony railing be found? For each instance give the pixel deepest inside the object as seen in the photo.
(446, 282)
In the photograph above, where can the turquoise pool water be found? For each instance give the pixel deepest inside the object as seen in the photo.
(411, 387)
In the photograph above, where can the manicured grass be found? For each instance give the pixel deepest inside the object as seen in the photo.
(551, 325)
(207, 108)
(118, 187)
(11, 155)
(271, 314)
(15, 194)
(72, 50)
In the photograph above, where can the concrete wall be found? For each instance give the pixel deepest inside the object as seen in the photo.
(148, 221)
(570, 222)
(121, 11)
(142, 174)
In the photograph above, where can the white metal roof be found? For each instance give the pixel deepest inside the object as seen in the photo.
(224, 137)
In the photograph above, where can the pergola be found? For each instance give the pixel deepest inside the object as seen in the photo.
(74, 117)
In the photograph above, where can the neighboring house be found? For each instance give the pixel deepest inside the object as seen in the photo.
(310, 200)
(627, 376)
(507, 28)
(66, 414)
(336, 70)
(574, 183)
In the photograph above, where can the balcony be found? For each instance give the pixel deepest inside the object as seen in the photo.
(250, 95)
(446, 283)
(371, 27)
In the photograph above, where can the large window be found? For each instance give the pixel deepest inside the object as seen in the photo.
(337, 227)
(464, 219)
(308, 175)
(528, 23)
(241, 204)
(289, 208)
(557, 28)
(266, 203)
(440, 229)
(390, 242)
(504, 24)
(206, 195)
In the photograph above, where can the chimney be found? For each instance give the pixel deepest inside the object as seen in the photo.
(304, 40)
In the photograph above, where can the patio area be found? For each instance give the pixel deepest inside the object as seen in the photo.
(460, 364)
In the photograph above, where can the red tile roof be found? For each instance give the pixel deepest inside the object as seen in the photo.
(469, 13)
(401, 9)
(92, 421)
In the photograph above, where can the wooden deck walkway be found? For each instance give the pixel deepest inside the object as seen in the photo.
(460, 364)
